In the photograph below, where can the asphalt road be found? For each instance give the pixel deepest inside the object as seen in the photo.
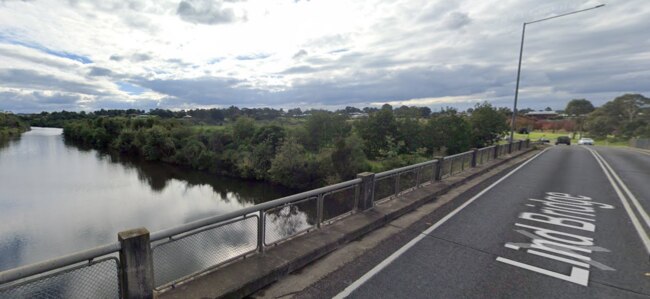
(559, 226)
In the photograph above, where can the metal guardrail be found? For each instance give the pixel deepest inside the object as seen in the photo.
(394, 182)
(456, 163)
(485, 155)
(95, 272)
(190, 249)
(227, 237)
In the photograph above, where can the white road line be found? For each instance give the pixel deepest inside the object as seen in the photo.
(635, 221)
(417, 239)
(631, 196)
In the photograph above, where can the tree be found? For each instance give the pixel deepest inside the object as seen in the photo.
(447, 130)
(293, 167)
(244, 129)
(623, 117)
(324, 128)
(376, 130)
(579, 107)
(348, 158)
(488, 124)
(548, 109)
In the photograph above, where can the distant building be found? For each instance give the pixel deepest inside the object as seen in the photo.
(358, 115)
(542, 114)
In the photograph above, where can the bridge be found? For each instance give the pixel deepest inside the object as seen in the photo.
(463, 232)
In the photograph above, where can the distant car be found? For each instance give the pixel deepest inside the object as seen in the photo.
(544, 140)
(586, 141)
(563, 139)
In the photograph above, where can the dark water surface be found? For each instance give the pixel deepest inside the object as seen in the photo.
(57, 198)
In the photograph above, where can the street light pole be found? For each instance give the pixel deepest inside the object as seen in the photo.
(521, 52)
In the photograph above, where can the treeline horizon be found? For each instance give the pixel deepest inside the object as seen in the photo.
(324, 148)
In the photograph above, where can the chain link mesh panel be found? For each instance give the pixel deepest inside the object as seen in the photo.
(428, 173)
(339, 202)
(289, 220)
(408, 180)
(200, 250)
(457, 165)
(98, 279)
(385, 187)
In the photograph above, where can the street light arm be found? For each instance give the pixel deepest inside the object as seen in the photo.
(521, 52)
(566, 14)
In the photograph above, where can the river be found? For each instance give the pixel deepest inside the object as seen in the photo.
(57, 198)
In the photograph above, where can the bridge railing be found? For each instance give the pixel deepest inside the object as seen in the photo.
(175, 254)
(392, 183)
(455, 164)
(485, 154)
(90, 273)
(223, 238)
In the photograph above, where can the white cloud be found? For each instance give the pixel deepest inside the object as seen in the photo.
(320, 53)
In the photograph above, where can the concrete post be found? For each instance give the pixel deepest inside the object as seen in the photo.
(438, 174)
(527, 143)
(496, 151)
(474, 157)
(136, 264)
(510, 147)
(367, 191)
(521, 144)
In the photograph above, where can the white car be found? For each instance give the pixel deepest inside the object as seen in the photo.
(586, 141)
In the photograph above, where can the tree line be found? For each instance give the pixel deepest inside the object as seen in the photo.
(627, 116)
(327, 147)
(11, 125)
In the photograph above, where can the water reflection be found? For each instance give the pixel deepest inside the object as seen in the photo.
(57, 198)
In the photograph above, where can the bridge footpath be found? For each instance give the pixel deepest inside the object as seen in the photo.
(569, 223)
(237, 253)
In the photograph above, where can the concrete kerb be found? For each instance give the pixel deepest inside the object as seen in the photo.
(244, 277)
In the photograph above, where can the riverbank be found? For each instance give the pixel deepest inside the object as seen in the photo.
(11, 125)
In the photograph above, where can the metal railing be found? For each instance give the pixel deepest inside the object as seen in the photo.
(224, 238)
(485, 154)
(455, 164)
(191, 249)
(91, 273)
(392, 183)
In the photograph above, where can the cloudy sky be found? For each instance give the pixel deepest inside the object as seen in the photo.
(179, 54)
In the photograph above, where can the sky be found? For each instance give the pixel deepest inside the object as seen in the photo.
(120, 54)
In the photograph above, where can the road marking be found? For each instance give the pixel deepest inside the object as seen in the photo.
(363, 279)
(633, 198)
(578, 275)
(630, 213)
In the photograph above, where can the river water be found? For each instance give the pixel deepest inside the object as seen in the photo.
(57, 198)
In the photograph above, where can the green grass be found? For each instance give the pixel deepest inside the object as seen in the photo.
(539, 134)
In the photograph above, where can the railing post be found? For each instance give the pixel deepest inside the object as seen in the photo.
(319, 210)
(438, 170)
(367, 191)
(521, 143)
(527, 143)
(510, 147)
(136, 264)
(397, 176)
(474, 157)
(261, 231)
(496, 151)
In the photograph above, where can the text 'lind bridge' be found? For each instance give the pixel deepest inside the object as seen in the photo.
(140, 264)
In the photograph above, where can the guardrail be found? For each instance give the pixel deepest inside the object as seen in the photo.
(141, 262)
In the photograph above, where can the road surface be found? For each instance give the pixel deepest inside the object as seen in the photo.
(569, 223)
